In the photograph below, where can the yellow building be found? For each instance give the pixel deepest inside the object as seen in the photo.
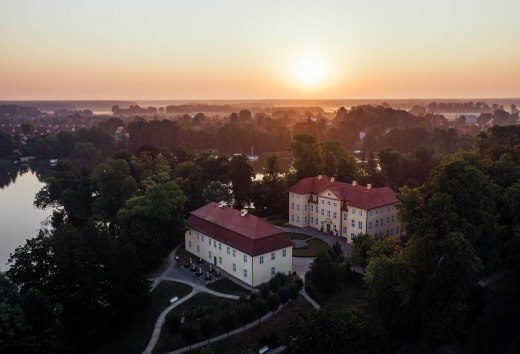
(241, 244)
(343, 209)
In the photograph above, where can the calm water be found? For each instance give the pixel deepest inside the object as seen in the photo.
(19, 219)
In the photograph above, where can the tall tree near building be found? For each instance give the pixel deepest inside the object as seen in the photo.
(307, 157)
(241, 180)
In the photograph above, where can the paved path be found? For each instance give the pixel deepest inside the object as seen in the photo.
(313, 233)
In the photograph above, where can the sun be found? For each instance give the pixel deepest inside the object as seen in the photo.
(310, 69)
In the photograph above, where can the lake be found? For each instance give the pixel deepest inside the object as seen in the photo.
(19, 218)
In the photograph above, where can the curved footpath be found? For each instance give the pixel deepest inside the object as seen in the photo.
(172, 273)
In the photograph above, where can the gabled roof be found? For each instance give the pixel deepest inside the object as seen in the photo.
(248, 234)
(355, 196)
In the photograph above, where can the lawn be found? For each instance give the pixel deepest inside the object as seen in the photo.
(168, 342)
(135, 337)
(351, 293)
(251, 338)
(227, 286)
(315, 246)
(297, 236)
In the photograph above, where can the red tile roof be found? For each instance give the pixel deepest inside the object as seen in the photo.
(248, 234)
(355, 196)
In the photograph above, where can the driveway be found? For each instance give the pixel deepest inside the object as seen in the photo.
(313, 233)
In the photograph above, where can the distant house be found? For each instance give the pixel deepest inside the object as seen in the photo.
(343, 209)
(471, 119)
(241, 244)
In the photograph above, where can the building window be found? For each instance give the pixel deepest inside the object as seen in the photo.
(312, 207)
(284, 253)
(345, 216)
(261, 259)
(360, 213)
(352, 236)
(328, 202)
(335, 227)
(393, 218)
(381, 221)
(245, 273)
(305, 222)
(219, 246)
(245, 258)
(273, 256)
(292, 217)
(377, 223)
(234, 267)
(387, 219)
(298, 207)
(322, 201)
(360, 225)
(198, 235)
(219, 260)
(209, 254)
(234, 253)
(353, 211)
(334, 215)
(328, 213)
(292, 206)
(322, 211)
(387, 232)
(370, 225)
(202, 238)
(353, 223)
(292, 195)
(344, 229)
(335, 204)
(189, 232)
(228, 250)
(298, 219)
(189, 244)
(316, 221)
(209, 241)
(198, 248)
(215, 244)
(312, 220)
(305, 207)
(273, 271)
(298, 197)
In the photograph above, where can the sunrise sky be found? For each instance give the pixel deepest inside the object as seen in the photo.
(166, 49)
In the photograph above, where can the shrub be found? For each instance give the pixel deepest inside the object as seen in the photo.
(173, 323)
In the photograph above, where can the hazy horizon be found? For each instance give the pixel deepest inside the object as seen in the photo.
(205, 50)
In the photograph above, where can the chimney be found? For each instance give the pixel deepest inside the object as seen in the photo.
(369, 186)
(243, 212)
(319, 176)
(332, 179)
(354, 183)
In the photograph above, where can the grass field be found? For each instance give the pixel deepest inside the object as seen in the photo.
(167, 341)
(315, 246)
(135, 337)
(351, 293)
(227, 286)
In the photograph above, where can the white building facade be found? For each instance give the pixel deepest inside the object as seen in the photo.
(242, 245)
(342, 209)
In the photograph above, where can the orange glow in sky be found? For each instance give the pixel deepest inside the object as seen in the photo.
(204, 49)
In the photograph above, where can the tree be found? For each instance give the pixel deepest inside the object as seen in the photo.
(360, 247)
(244, 314)
(153, 222)
(324, 274)
(273, 301)
(190, 333)
(330, 330)
(208, 326)
(307, 158)
(261, 308)
(293, 291)
(336, 253)
(218, 192)
(241, 179)
(284, 294)
(227, 320)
